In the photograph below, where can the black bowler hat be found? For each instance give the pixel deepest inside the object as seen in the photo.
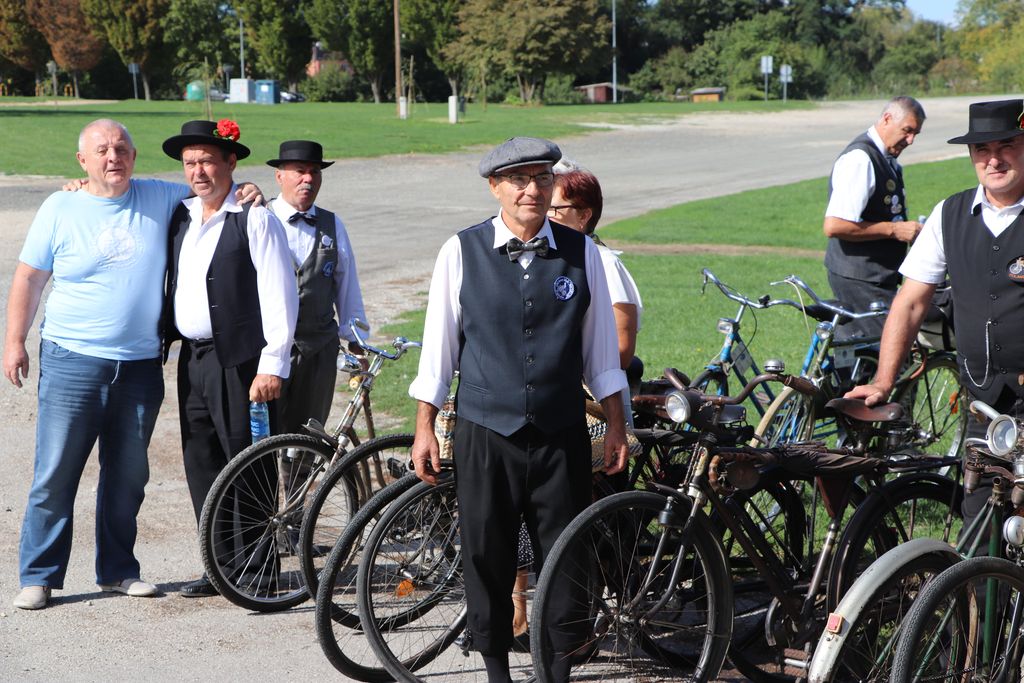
(223, 134)
(300, 150)
(991, 121)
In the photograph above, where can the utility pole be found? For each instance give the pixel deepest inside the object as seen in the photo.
(615, 62)
(241, 47)
(398, 60)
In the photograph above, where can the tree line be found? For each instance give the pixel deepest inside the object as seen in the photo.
(523, 51)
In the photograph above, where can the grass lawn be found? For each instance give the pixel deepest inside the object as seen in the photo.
(345, 130)
(679, 325)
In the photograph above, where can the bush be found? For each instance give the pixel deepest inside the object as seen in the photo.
(332, 84)
(558, 90)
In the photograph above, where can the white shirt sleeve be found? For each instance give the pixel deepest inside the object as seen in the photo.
(853, 182)
(349, 301)
(601, 370)
(441, 330)
(621, 287)
(926, 260)
(275, 283)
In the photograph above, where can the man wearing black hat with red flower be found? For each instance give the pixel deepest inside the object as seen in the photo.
(977, 237)
(325, 269)
(231, 299)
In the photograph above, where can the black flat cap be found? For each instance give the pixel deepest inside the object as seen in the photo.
(991, 121)
(223, 134)
(300, 150)
(519, 152)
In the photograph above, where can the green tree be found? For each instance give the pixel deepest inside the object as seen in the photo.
(134, 28)
(664, 74)
(980, 13)
(74, 46)
(910, 56)
(279, 36)
(20, 42)
(433, 24)
(363, 30)
(685, 23)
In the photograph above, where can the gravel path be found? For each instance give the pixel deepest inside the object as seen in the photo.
(399, 210)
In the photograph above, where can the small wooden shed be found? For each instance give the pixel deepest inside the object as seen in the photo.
(707, 95)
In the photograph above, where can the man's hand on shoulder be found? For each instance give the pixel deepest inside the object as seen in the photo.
(75, 185)
(873, 394)
(906, 231)
(249, 192)
(265, 388)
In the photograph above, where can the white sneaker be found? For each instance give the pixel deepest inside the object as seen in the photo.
(136, 588)
(32, 597)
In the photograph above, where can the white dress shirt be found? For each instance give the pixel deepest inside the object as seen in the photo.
(275, 279)
(302, 240)
(443, 325)
(853, 181)
(926, 260)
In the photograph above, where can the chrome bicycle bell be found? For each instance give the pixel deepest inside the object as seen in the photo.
(774, 365)
(1013, 531)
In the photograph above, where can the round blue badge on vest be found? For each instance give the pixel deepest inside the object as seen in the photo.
(564, 288)
(1016, 269)
(328, 269)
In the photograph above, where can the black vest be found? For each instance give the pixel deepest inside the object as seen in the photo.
(316, 325)
(985, 295)
(521, 351)
(230, 287)
(875, 260)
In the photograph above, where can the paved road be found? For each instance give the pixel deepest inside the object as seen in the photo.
(399, 210)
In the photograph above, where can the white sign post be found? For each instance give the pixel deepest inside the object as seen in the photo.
(786, 76)
(766, 69)
(133, 69)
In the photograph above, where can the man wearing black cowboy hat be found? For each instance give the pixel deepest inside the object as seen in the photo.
(520, 306)
(975, 236)
(325, 269)
(231, 299)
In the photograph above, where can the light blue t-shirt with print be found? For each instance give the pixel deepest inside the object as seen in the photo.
(108, 257)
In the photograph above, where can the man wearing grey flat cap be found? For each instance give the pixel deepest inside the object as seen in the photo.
(977, 237)
(520, 307)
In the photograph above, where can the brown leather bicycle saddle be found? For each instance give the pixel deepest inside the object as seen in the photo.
(855, 409)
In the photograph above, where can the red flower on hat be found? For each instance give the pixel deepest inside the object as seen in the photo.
(227, 129)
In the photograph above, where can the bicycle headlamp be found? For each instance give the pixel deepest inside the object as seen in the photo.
(1002, 435)
(677, 407)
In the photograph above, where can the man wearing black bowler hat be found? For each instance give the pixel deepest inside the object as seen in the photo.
(231, 299)
(520, 306)
(329, 293)
(977, 237)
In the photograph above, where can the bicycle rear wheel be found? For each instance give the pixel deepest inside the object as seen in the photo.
(337, 618)
(347, 485)
(936, 404)
(965, 626)
(249, 527)
(632, 620)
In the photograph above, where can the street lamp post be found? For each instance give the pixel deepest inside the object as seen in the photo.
(241, 48)
(615, 63)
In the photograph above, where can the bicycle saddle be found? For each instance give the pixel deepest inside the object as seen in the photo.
(855, 409)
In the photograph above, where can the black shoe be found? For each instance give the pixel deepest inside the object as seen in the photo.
(521, 643)
(200, 588)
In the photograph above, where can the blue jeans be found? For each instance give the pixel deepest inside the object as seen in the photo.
(83, 399)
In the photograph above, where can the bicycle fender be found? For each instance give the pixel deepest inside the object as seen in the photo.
(826, 652)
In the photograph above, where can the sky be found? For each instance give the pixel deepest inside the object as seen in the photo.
(935, 10)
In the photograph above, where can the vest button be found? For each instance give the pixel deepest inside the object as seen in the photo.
(995, 247)
(529, 387)
(529, 416)
(528, 332)
(993, 297)
(529, 303)
(997, 347)
(529, 359)
(1002, 371)
(526, 276)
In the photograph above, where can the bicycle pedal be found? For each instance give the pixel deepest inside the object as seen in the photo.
(397, 469)
(464, 642)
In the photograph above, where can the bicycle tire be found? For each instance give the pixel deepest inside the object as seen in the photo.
(247, 541)
(868, 648)
(872, 531)
(789, 419)
(936, 402)
(337, 617)
(342, 491)
(711, 381)
(413, 579)
(941, 637)
(610, 544)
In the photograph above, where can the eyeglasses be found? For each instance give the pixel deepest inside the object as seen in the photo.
(556, 209)
(521, 180)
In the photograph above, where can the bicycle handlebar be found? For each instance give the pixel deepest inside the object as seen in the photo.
(401, 344)
(764, 301)
(838, 310)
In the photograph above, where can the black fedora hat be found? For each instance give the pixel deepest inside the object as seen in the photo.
(300, 150)
(991, 121)
(223, 134)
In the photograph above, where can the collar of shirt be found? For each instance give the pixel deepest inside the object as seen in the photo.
(301, 235)
(502, 235)
(877, 139)
(283, 210)
(195, 208)
(980, 199)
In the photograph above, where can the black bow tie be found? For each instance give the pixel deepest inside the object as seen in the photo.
(515, 247)
(304, 215)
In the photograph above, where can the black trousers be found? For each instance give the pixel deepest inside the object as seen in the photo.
(543, 480)
(309, 390)
(213, 405)
(857, 296)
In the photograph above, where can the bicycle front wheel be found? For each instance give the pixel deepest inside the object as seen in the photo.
(639, 609)
(965, 626)
(249, 527)
(789, 419)
(936, 404)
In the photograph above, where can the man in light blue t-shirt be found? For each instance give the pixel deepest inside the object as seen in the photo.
(100, 375)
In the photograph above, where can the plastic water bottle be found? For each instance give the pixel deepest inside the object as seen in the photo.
(259, 420)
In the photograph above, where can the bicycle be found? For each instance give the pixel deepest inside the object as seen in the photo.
(859, 642)
(656, 585)
(249, 530)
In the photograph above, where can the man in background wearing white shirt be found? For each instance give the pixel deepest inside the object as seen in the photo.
(866, 219)
(231, 299)
(325, 271)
